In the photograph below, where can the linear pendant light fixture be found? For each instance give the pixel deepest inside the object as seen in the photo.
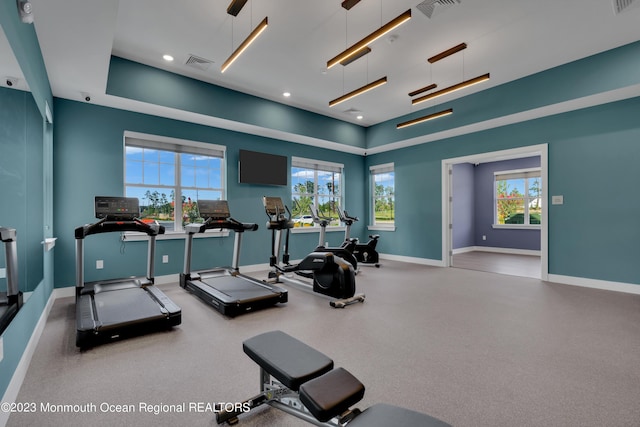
(425, 118)
(453, 88)
(359, 91)
(360, 54)
(245, 44)
(423, 89)
(235, 7)
(448, 52)
(389, 26)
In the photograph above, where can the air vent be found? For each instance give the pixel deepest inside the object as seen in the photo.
(198, 62)
(621, 5)
(433, 8)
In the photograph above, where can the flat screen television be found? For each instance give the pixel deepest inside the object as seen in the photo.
(262, 168)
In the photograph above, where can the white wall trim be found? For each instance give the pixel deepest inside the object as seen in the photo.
(496, 250)
(19, 374)
(413, 260)
(606, 285)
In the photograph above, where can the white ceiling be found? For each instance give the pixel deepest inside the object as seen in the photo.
(508, 38)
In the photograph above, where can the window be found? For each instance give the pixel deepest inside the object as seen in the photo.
(168, 176)
(383, 191)
(518, 196)
(315, 184)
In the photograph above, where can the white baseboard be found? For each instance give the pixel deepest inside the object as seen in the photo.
(413, 260)
(19, 374)
(496, 250)
(606, 285)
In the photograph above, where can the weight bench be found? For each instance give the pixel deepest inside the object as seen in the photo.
(302, 381)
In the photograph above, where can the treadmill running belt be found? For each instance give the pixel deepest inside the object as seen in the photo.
(238, 288)
(124, 306)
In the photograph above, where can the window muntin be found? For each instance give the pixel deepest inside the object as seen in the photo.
(383, 194)
(156, 171)
(317, 185)
(518, 197)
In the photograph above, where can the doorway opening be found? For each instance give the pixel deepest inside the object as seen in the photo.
(483, 245)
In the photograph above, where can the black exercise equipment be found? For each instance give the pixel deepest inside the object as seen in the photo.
(344, 251)
(365, 253)
(10, 301)
(111, 309)
(224, 288)
(302, 381)
(331, 275)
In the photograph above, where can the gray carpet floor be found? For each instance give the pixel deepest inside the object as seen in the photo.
(468, 347)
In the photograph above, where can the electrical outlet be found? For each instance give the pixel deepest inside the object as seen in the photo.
(557, 200)
(99, 264)
(484, 237)
(3, 273)
(165, 259)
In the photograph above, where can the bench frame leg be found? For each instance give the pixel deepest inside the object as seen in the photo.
(273, 393)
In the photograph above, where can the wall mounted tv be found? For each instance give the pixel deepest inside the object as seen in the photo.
(262, 168)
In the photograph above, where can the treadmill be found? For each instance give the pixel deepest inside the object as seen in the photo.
(225, 288)
(10, 301)
(107, 310)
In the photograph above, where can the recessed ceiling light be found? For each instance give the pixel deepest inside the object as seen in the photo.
(167, 58)
(286, 94)
(359, 117)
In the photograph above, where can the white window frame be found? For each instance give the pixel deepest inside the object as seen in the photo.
(516, 174)
(318, 166)
(177, 146)
(376, 170)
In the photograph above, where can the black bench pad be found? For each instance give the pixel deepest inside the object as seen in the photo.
(331, 394)
(287, 359)
(384, 415)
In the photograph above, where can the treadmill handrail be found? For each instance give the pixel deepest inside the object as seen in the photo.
(108, 225)
(222, 224)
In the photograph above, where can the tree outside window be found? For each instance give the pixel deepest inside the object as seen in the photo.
(518, 197)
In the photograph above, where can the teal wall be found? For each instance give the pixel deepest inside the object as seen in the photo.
(132, 80)
(593, 155)
(21, 181)
(89, 157)
(36, 162)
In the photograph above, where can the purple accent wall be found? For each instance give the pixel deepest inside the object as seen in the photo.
(479, 220)
(463, 205)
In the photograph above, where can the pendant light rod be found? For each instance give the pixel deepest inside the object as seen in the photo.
(450, 89)
(359, 91)
(245, 44)
(389, 26)
(425, 118)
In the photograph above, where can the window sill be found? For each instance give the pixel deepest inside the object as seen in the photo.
(517, 226)
(302, 230)
(381, 227)
(172, 235)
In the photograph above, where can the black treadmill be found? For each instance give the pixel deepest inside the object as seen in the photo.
(225, 288)
(10, 301)
(107, 310)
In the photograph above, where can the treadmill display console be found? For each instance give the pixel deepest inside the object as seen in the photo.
(215, 209)
(117, 208)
